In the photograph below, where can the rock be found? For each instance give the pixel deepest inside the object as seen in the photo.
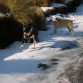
(10, 31)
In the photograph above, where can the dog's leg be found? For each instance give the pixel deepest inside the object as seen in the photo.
(34, 42)
(71, 30)
(22, 46)
(23, 40)
(54, 32)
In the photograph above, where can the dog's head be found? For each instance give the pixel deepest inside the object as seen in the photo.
(25, 32)
(50, 22)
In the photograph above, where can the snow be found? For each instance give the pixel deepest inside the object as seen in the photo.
(46, 8)
(57, 5)
(20, 65)
(52, 6)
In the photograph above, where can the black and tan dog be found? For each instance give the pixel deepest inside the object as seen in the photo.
(59, 23)
(28, 34)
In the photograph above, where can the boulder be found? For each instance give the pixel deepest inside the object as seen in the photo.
(10, 31)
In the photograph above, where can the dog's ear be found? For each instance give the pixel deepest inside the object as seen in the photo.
(50, 20)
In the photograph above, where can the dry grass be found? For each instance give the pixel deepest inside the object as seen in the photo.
(38, 3)
(22, 10)
(41, 17)
(42, 3)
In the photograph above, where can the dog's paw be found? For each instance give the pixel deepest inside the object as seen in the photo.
(21, 46)
(73, 35)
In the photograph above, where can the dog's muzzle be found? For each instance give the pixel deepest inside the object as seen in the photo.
(26, 36)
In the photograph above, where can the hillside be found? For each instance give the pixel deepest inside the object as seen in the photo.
(60, 54)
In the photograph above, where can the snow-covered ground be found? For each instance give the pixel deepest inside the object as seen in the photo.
(55, 5)
(52, 6)
(55, 51)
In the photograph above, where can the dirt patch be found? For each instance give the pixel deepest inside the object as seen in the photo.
(75, 71)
